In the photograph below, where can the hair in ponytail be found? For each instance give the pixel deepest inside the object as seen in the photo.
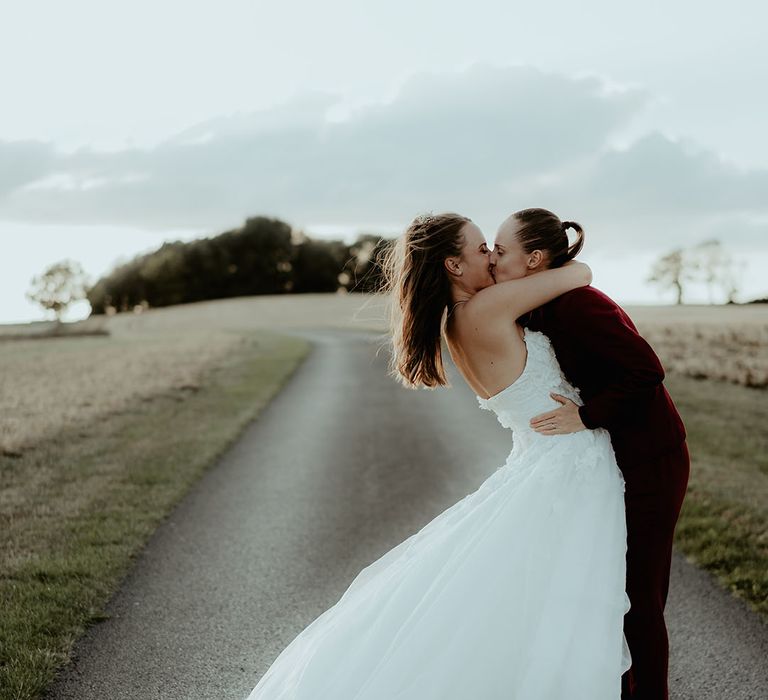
(540, 229)
(417, 280)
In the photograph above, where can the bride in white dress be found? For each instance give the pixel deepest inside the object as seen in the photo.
(516, 592)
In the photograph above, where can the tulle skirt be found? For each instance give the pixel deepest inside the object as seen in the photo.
(516, 592)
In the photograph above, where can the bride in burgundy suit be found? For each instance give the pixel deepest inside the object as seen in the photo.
(620, 380)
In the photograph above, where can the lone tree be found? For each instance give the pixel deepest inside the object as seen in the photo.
(707, 263)
(715, 267)
(730, 281)
(59, 286)
(670, 272)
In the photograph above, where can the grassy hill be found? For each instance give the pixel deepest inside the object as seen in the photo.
(101, 435)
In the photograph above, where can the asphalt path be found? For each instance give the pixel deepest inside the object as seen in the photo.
(340, 467)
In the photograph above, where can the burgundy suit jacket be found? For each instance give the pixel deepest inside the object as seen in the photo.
(616, 371)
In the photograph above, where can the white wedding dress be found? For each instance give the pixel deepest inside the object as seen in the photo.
(516, 592)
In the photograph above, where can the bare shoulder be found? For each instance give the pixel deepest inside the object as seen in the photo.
(481, 316)
(488, 302)
(484, 306)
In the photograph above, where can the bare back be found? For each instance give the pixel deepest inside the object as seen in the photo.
(486, 343)
(490, 353)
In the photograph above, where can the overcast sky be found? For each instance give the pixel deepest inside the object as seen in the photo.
(124, 126)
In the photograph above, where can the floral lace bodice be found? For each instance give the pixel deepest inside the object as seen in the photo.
(529, 394)
(588, 451)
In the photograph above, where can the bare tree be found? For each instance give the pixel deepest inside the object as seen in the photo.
(59, 286)
(707, 262)
(671, 272)
(714, 266)
(730, 280)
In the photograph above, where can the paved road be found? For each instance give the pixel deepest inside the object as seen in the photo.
(343, 465)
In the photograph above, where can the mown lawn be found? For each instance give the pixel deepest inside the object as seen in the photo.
(77, 508)
(723, 526)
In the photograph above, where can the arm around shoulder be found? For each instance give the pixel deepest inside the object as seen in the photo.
(518, 296)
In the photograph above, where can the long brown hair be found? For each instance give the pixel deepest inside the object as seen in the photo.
(417, 280)
(540, 229)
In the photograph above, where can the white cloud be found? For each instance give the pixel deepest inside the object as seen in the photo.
(441, 137)
(485, 141)
(658, 173)
(23, 162)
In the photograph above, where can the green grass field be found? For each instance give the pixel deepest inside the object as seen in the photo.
(97, 496)
(723, 526)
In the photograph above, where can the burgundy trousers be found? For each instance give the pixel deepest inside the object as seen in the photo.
(653, 497)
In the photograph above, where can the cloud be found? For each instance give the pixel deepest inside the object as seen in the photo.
(658, 192)
(659, 173)
(486, 141)
(24, 162)
(440, 136)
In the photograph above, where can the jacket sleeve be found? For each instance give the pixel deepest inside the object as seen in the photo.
(599, 328)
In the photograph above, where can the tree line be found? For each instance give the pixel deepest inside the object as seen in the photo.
(268, 256)
(264, 256)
